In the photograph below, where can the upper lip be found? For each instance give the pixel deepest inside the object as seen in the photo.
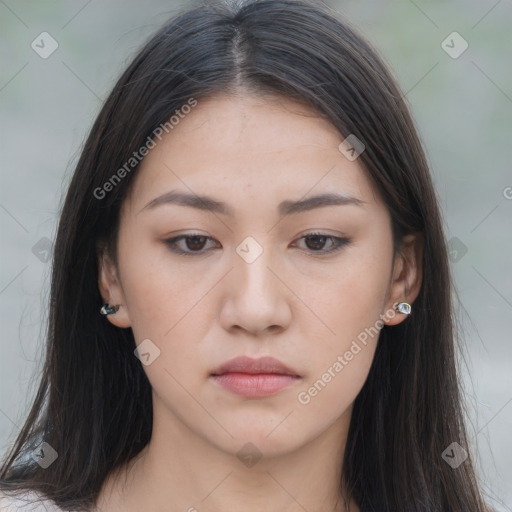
(244, 364)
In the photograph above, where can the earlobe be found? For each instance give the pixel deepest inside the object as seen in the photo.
(111, 292)
(406, 281)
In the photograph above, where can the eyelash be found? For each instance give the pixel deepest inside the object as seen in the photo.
(338, 241)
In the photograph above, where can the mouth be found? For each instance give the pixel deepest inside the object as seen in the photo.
(248, 365)
(254, 378)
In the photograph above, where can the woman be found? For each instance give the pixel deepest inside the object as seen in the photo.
(250, 303)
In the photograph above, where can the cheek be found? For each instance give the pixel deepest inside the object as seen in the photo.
(349, 304)
(166, 304)
(350, 297)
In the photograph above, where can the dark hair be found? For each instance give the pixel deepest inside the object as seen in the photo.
(94, 404)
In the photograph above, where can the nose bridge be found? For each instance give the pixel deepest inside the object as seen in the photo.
(255, 299)
(252, 262)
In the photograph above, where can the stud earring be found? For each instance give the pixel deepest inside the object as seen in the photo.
(404, 307)
(108, 310)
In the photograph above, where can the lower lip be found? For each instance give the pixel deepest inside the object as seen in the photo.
(255, 385)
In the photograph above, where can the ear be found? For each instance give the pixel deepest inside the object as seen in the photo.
(111, 290)
(406, 277)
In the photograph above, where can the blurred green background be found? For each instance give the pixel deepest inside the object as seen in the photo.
(462, 107)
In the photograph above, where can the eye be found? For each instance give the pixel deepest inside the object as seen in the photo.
(195, 243)
(316, 242)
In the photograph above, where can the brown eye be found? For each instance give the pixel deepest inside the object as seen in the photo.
(316, 242)
(194, 244)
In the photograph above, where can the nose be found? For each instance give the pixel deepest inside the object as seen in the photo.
(255, 296)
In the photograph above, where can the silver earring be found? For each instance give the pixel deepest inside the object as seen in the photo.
(404, 307)
(108, 310)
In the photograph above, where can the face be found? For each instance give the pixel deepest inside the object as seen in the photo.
(265, 270)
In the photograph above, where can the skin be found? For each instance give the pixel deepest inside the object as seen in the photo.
(291, 303)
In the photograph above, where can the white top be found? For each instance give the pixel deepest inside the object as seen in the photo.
(27, 502)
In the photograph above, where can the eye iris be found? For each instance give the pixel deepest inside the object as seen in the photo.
(319, 239)
(195, 239)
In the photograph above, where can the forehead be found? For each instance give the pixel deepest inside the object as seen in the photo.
(257, 147)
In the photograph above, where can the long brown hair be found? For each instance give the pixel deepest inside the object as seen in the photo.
(93, 405)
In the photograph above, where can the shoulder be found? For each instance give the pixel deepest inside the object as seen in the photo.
(29, 501)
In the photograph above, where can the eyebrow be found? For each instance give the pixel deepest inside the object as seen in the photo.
(285, 208)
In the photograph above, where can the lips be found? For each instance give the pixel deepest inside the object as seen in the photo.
(263, 365)
(255, 378)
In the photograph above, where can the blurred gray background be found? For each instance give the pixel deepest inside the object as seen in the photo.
(460, 98)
